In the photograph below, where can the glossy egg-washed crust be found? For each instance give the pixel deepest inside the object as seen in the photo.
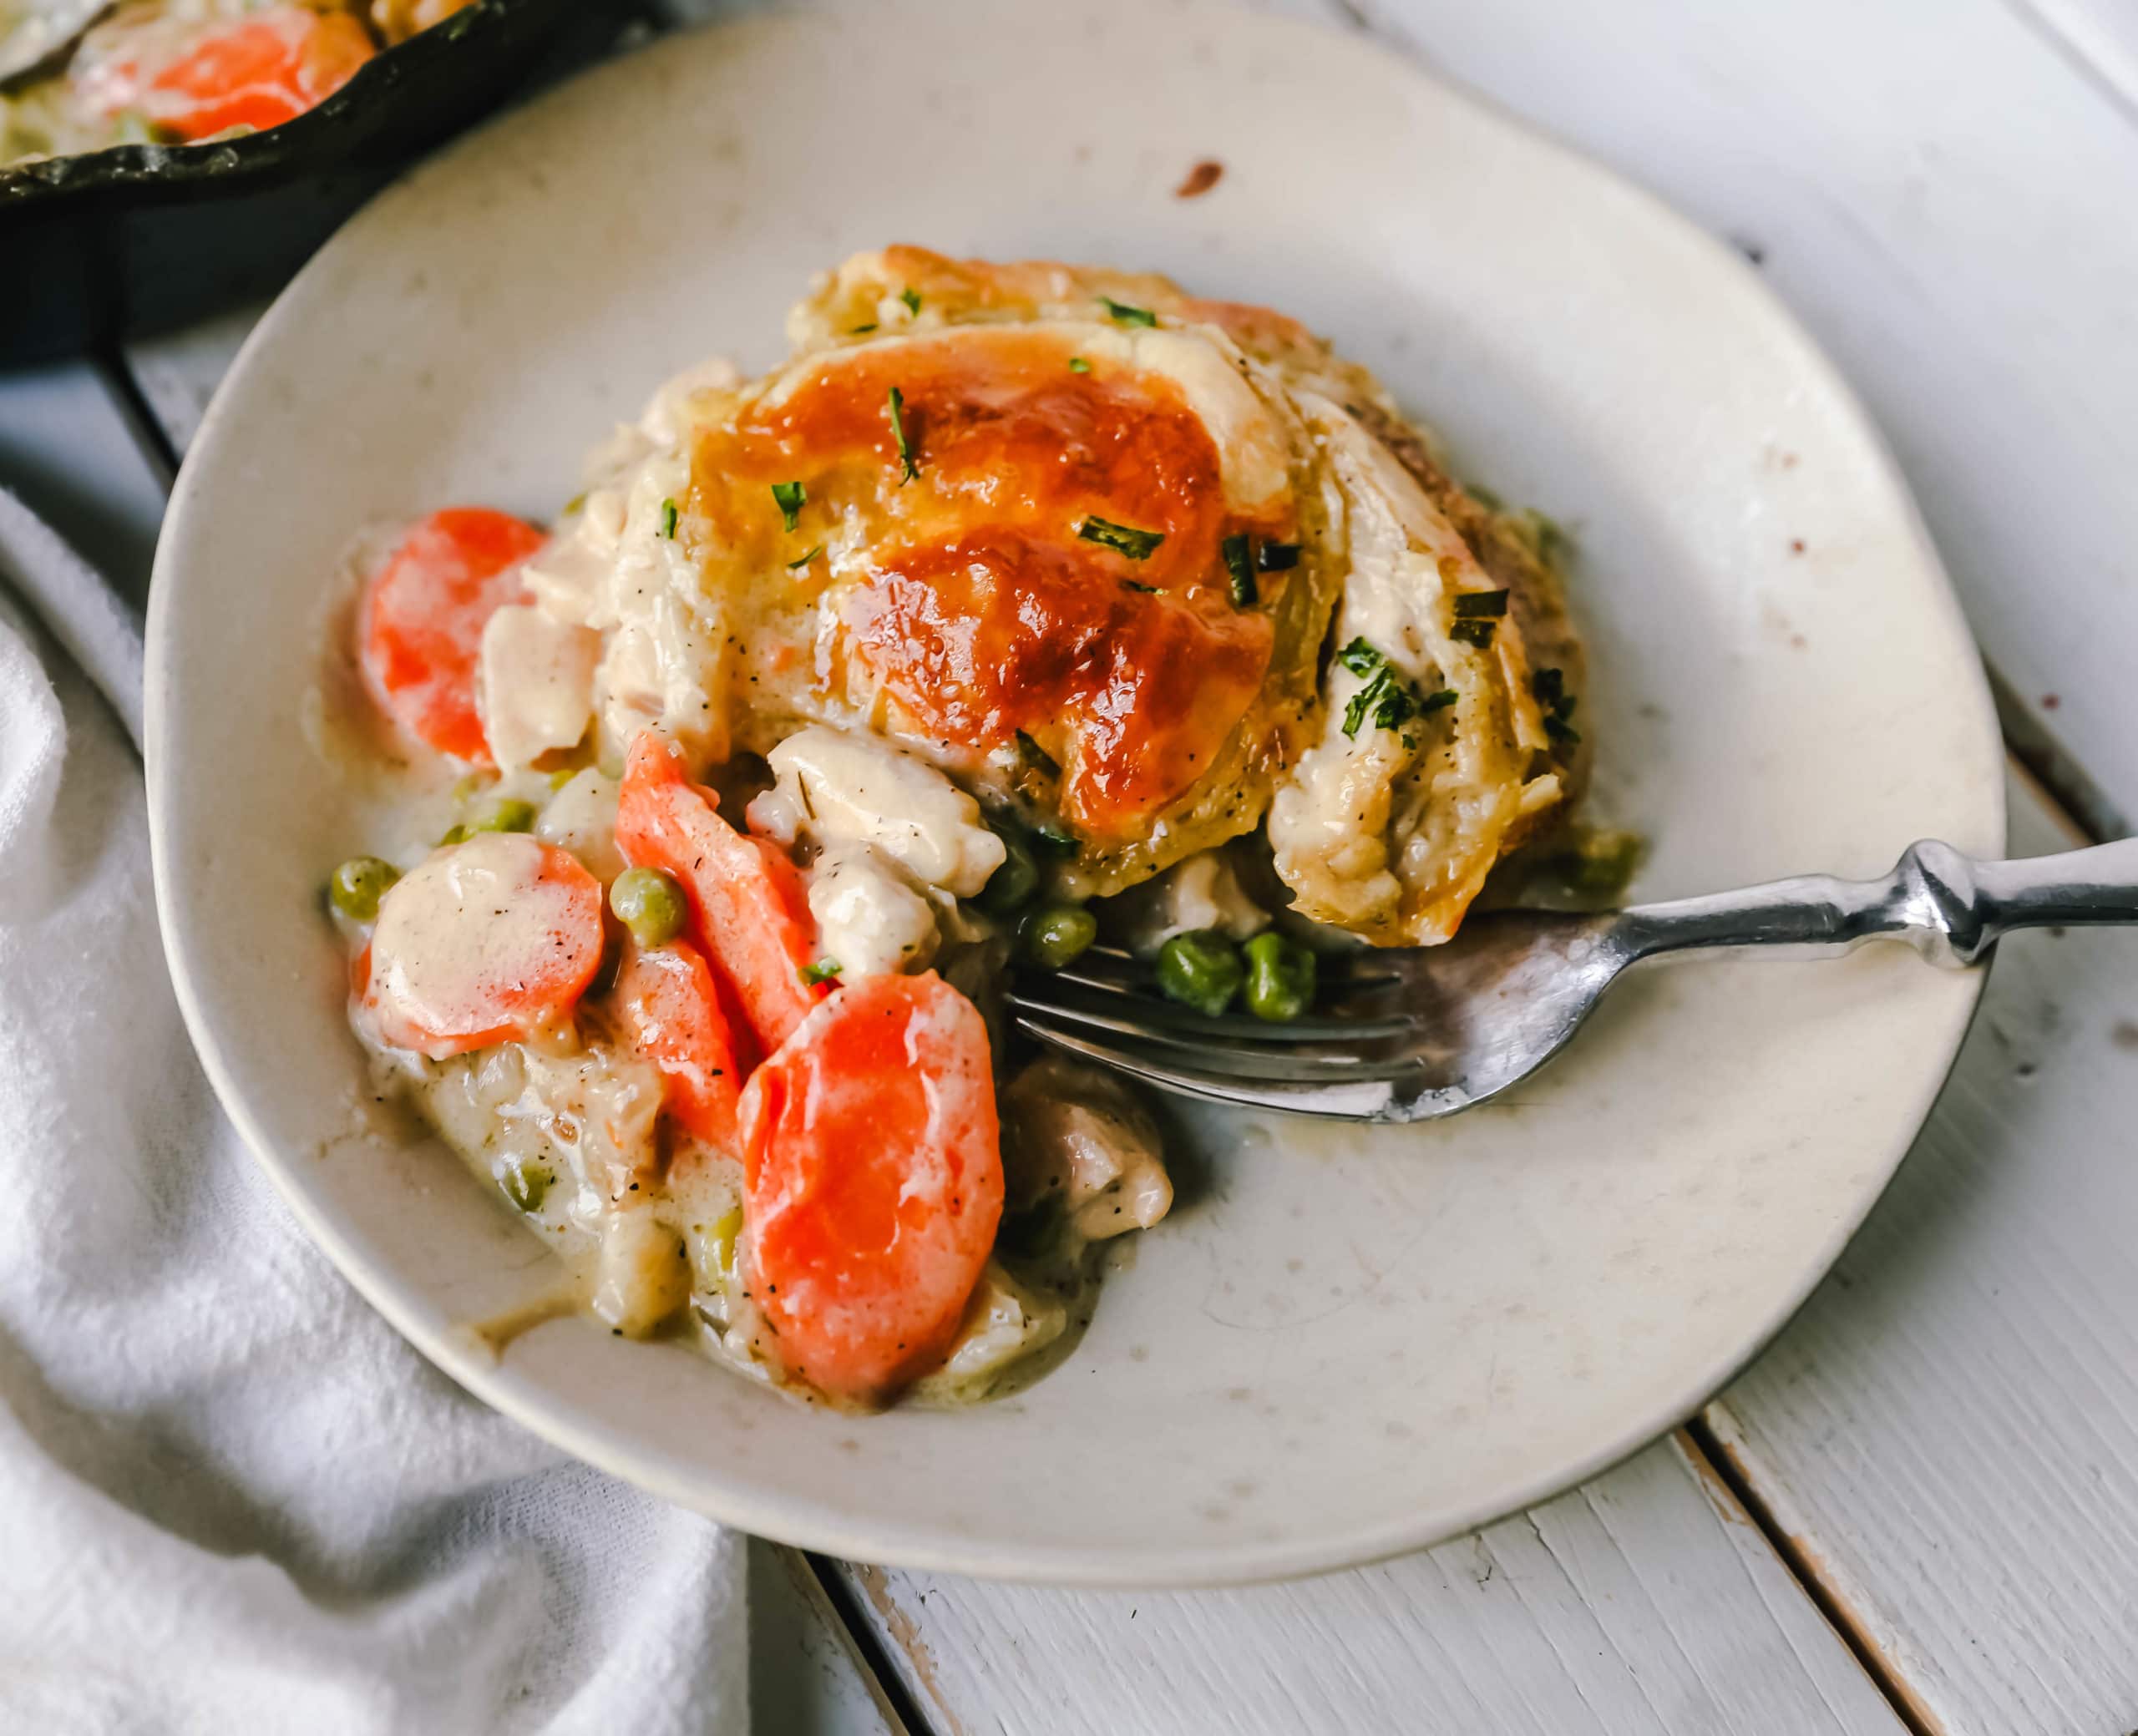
(1127, 702)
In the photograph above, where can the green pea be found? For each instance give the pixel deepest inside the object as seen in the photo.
(650, 904)
(358, 884)
(1055, 934)
(1010, 887)
(508, 814)
(1279, 978)
(1202, 969)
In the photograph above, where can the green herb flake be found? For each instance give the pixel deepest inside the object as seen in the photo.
(911, 297)
(1056, 841)
(861, 331)
(796, 565)
(896, 400)
(788, 497)
(1127, 315)
(1278, 557)
(1148, 590)
(1480, 604)
(1558, 730)
(1548, 685)
(825, 970)
(1077, 365)
(1124, 538)
(1038, 755)
(1439, 702)
(1473, 631)
(668, 520)
(1239, 568)
(527, 1186)
(1360, 658)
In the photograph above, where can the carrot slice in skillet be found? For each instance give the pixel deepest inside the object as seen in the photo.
(270, 68)
(667, 1009)
(483, 943)
(873, 1170)
(748, 911)
(423, 616)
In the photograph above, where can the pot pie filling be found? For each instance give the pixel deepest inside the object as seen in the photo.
(1024, 603)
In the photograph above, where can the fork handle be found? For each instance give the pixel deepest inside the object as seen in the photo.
(1950, 908)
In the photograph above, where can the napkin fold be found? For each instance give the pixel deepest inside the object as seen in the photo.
(232, 1498)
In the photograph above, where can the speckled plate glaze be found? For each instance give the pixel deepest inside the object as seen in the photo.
(1343, 1344)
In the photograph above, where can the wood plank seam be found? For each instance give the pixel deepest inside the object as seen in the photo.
(1710, 1450)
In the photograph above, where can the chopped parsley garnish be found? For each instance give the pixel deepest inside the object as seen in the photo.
(1126, 539)
(1480, 604)
(527, 1186)
(668, 519)
(898, 432)
(1129, 315)
(1056, 841)
(788, 497)
(1077, 365)
(1389, 700)
(1549, 685)
(1473, 631)
(1360, 658)
(858, 331)
(1239, 567)
(797, 564)
(911, 297)
(1278, 557)
(1038, 755)
(1147, 590)
(823, 971)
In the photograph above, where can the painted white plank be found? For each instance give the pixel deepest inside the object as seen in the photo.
(1951, 1425)
(2101, 35)
(178, 372)
(1944, 197)
(806, 1677)
(1645, 1602)
(68, 449)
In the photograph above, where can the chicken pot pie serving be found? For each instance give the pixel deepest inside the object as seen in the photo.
(1022, 603)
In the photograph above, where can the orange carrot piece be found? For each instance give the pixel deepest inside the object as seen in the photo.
(667, 1009)
(423, 615)
(267, 70)
(873, 1170)
(483, 943)
(748, 911)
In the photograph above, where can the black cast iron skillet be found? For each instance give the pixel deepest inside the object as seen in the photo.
(121, 242)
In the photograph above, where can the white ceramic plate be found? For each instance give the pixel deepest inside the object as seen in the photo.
(1342, 1344)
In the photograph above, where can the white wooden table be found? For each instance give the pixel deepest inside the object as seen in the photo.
(1919, 1511)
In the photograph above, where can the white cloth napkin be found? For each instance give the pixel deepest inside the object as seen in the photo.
(232, 1498)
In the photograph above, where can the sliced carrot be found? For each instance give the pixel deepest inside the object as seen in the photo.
(666, 1007)
(485, 942)
(270, 68)
(748, 911)
(423, 616)
(873, 1175)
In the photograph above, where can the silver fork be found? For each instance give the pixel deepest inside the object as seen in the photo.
(1413, 1034)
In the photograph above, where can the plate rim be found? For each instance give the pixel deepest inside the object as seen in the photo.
(799, 1519)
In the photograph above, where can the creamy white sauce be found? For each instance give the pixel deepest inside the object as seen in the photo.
(444, 925)
(840, 788)
(533, 683)
(581, 818)
(871, 919)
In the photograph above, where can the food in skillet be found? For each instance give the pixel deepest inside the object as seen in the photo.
(1024, 602)
(177, 71)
